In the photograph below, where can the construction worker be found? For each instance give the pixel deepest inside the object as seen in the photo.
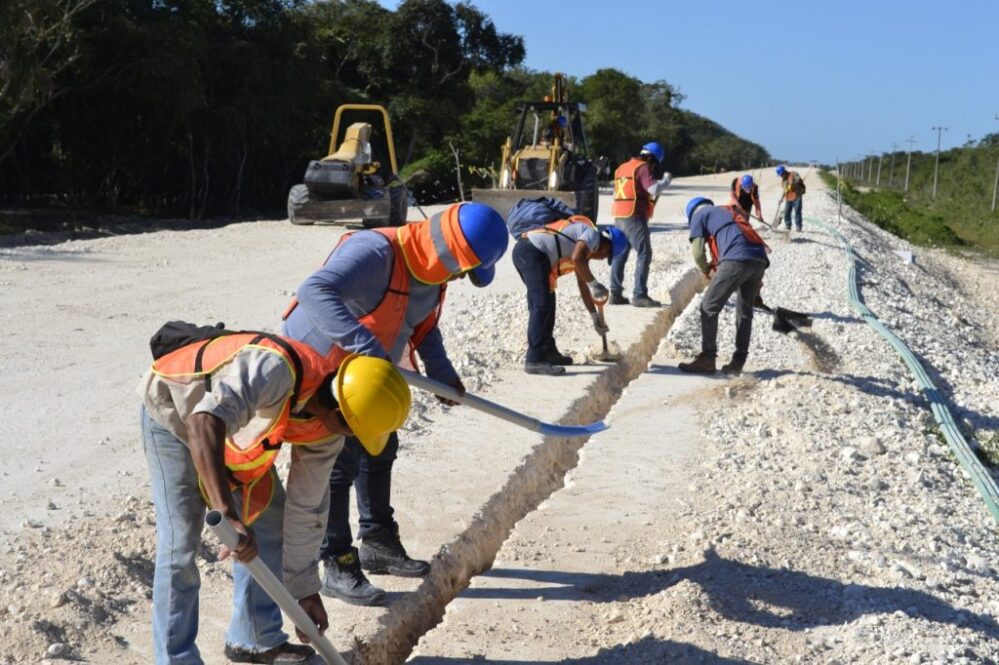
(794, 191)
(543, 255)
(215, 412)
(380, 293)
(635, 194)
(746, 193)
(738, 261)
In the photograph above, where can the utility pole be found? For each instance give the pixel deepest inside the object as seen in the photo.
(891, 171)
(908, 161)
(936, 165)
(995, 187)
(881, 156)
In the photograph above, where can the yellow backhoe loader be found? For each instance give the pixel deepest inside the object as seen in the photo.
(348, 184)
(546, 156)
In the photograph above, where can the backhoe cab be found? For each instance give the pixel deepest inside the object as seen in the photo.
(349, 184)
(546, 152)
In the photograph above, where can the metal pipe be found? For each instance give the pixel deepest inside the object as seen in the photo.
(498, 410)
(223, 530)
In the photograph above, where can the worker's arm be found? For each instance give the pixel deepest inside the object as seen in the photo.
(697, 247)
(331, 301)
(581, 262)
(644, 178)
(434, 356)
(756, 202)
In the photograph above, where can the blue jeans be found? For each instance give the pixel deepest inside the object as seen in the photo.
(372, 479)
(180, 516)
(534, 267)
(637, 232)
(794, 206)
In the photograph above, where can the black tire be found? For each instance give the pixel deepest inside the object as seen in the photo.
(398, 202)
(587, 192)
(298, 198)
(375, 222)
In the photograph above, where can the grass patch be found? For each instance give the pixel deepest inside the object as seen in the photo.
(890, 210)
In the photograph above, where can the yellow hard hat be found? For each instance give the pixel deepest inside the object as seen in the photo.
(373, 397)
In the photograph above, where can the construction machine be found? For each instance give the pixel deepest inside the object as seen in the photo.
(348, 184)
(547, 152)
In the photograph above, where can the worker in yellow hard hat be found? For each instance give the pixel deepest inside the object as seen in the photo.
(215, 413)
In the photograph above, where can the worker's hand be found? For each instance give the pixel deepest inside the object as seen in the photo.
(599, 324)
(313, 606)
(666, 179)
(246, 550)
(598, 292)
(707, 274)
(457, 385)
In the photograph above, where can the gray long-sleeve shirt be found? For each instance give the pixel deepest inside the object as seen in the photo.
(352, 283)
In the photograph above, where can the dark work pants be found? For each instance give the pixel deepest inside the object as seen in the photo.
(743, 278)
(533, 266)
(372, 478)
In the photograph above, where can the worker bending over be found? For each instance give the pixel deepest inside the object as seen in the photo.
(738, 261)
(635, 194)
(746, 193)
(215, 412)
(543, 255)
(380, 293)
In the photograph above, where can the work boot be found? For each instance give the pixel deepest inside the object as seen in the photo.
(555, 357)
(286, 653)
(734, 366)
(382, 553)
(645, 301)
(345, 580)
(617, 299)
(544, 368)
(702, 364)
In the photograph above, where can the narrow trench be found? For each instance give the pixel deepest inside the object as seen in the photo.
(540, 474)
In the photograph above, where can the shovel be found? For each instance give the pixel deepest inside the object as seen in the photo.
(498, 410)
(606, 355)
(785, 320)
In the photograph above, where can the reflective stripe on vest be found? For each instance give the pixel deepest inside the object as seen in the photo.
(741, 221)
(249, 464)
(435, 249)
(564, 264)
(628, 200)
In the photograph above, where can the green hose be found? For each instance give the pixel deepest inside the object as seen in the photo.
(980, 476)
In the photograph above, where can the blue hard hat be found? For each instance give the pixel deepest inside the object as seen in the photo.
(747, 182)
(654, 149)
(618, 241)
(695, 203)
(781, 170)
(486, 234)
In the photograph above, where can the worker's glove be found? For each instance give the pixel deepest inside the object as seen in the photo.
(666, 179)
(598, 291)
(599, 324)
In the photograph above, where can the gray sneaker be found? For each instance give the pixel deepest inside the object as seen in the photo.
(645, 301)
(345, 581)
(546, 369)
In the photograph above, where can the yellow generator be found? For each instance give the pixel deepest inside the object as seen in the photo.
(547, 153)
(349, 184)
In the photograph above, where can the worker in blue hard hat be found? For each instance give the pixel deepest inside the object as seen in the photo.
(635, 194)
(380, 293)
(544, 254)
(794, 191)
(746, 193)
(738, 260)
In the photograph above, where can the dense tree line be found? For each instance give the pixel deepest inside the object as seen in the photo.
(205, 107)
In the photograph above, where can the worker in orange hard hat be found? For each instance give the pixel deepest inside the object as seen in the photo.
(380, 293)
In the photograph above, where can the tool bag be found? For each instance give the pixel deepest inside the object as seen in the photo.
(330, 179)
(529, 214)
(174, 335)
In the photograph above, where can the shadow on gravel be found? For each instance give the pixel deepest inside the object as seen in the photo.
(866, 384)
(659, 227)
(646, 650)
(798, 240)
(769, 597)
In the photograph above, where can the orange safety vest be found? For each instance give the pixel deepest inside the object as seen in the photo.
(790, 185)
(249, 463)
(564, 264)
(386, 319)
(628, 200)
(740, 220)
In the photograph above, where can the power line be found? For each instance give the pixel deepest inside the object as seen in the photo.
(908, 162)
(936, 165)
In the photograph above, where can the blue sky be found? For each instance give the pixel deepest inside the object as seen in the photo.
(807, 80)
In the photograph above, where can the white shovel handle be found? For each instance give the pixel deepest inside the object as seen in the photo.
(224, 531)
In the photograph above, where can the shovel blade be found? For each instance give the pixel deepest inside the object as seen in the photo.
(550, 429)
